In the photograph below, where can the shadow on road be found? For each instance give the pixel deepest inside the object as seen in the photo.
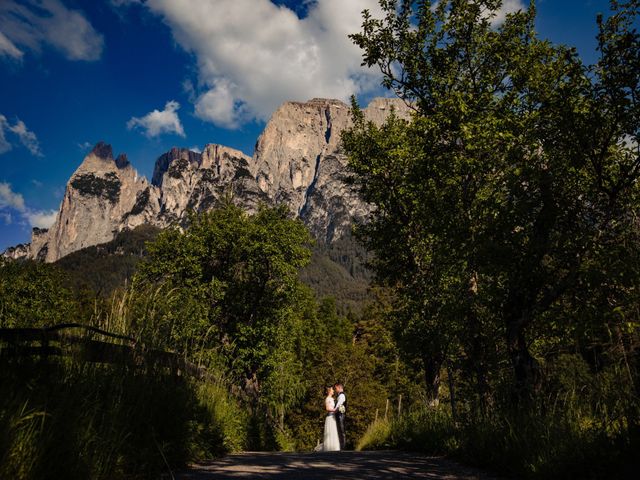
(331, 465)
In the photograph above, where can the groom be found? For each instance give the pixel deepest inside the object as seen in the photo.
(341, 408)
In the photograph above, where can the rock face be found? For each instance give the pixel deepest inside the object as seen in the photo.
(103, 196)
(22, 250)
(297, 162)
(198, 181)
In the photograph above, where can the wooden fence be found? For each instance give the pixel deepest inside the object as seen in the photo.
(59, 341)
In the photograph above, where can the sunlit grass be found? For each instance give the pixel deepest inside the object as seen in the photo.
(571, 443)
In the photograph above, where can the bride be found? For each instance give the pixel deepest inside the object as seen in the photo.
(331, 442)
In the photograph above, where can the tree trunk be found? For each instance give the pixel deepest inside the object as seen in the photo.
(478, 349)
(452, 393)
(432, 365)
(252, 388)
(526, 368)
(623, 352)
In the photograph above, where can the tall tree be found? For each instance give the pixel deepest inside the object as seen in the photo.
(232, 279)
(519, 167)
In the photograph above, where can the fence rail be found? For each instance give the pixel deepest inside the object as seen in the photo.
(29, 342)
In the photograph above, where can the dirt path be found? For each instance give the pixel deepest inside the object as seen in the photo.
(331, 465)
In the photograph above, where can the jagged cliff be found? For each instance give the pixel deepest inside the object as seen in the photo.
(297, 162)
(188, 180)
(103, 196)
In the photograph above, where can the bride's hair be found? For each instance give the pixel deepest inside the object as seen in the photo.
(327, 388)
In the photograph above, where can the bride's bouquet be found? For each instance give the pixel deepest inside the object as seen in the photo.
(341, 409)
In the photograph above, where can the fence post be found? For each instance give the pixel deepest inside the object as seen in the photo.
(386, 409)
(44, 345)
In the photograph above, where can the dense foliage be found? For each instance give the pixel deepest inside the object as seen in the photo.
(227, 293)
(506, 218)
(33, 294)
(101, 269)
(339, 271)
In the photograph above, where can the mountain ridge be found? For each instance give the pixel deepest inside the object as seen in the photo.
(297, 162)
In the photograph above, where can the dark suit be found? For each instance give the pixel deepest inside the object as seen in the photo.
(340, 421)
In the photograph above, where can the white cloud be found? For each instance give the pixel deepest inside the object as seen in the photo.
(252, 55)
(218, 106)
(41, 219)
(5, 146)
(11, 201)
(25, 136)
(158, 122)
(497, 16)
(508, 6)
(7, 48)
(31, 24)
(84, 146)
(196, 149)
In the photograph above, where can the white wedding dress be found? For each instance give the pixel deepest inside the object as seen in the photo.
(330, 442)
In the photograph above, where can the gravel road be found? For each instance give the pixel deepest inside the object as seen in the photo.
(331, 465)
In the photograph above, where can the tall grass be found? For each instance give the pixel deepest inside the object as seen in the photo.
(581, 424)
(226, 422)
(63, 419)
(522, 444)
(430, 430)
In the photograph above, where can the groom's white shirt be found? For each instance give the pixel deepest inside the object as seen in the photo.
(341, 399)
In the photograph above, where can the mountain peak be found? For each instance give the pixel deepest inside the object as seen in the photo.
(103, 150)
(327, 101)
(182, 156)
(122, 161)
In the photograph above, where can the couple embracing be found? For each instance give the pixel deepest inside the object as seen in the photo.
(334, 436)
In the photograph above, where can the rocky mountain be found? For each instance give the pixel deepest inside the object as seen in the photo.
(297, 162)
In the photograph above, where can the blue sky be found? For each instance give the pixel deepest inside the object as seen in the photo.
(148, 75)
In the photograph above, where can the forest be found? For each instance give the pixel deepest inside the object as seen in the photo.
(488, 310)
